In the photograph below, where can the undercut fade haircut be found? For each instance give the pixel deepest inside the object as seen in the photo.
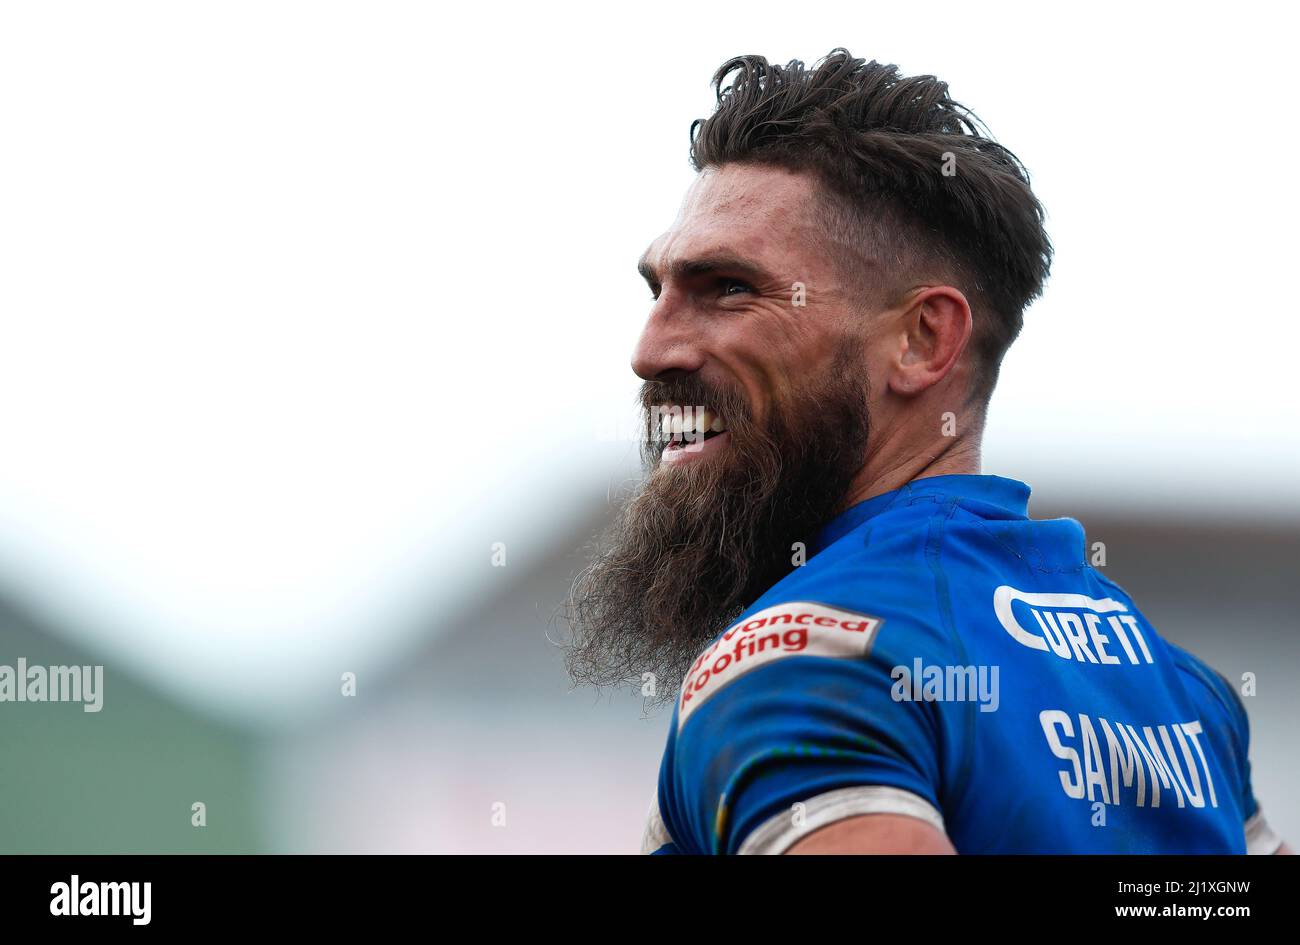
(914, 187)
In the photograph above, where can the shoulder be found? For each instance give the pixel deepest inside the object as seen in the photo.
(881, 588)
(798, 698)
(1221, 709)
(1210, 687)
(795, 704)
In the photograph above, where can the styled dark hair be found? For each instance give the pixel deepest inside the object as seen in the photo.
(913, 182)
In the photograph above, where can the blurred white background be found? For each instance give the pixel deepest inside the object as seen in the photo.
(305, 305)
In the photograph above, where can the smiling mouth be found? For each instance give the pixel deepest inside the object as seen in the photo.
(691, 432)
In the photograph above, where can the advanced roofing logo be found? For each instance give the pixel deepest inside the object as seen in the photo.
(799, 628)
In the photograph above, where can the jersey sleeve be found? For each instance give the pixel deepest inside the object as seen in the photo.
(1260, 837)
(803, 714)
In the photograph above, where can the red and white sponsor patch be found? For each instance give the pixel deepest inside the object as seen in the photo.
(798, 628)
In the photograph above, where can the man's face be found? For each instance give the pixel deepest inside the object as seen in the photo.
(746, 295)
(758, 358)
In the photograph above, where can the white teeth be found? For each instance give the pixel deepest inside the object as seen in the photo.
(679, 422)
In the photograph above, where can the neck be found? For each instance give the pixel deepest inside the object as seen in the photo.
(885, 473)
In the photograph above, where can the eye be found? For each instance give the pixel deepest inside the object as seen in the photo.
(654, 293)
(735, 287)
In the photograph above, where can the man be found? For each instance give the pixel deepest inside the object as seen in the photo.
(880, 651)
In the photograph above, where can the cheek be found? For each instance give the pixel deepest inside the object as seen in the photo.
(768, 365)
(776, 356)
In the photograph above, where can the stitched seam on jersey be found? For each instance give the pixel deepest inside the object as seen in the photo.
(906, 491)
(1109, 583)
(1228, 707)
(973, 519)
(1243, 751)
(1083, 550)
(934, 555)
(1194, 672)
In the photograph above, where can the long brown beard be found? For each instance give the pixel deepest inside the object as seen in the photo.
(701, 540)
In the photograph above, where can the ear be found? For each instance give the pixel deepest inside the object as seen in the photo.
(936, 328)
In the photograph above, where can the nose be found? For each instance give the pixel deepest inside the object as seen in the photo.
(667, 343)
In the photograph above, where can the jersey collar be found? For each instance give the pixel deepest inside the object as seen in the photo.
(993, 497)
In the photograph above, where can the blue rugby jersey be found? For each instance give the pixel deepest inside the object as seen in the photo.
(941, 655)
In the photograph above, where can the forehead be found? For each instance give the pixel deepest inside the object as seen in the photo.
(765, 214)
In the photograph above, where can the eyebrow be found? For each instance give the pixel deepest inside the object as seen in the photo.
(684, 269)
